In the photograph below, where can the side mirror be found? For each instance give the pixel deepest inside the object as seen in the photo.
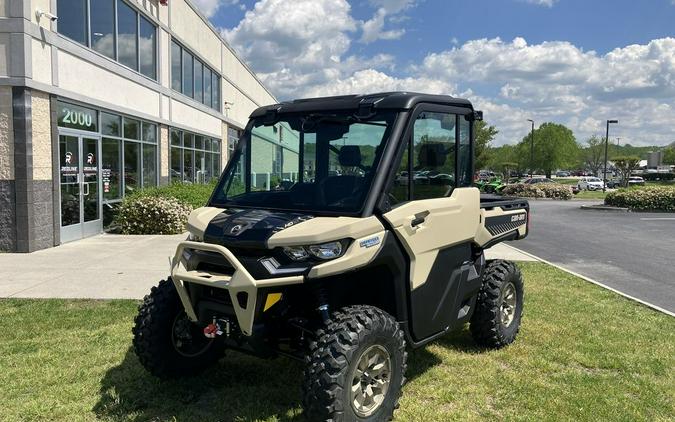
(478, 115)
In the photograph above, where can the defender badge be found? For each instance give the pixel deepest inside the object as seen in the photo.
(370, 242)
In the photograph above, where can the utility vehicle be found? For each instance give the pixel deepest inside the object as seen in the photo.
(312, 246)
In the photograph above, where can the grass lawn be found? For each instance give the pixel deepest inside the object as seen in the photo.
(590, 194)
(583, 353)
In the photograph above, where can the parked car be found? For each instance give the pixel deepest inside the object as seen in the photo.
(614, 183)
(636, 181)
(590, 183)
(535, 180)
(562, 174)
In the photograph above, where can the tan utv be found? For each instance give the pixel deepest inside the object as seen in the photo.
(343, 231)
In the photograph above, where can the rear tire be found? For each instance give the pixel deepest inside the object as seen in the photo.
(166, 342)
(356, 367)
(499, 306)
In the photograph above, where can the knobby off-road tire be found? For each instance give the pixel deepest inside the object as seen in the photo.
(499, 306)
(160, 336)
(337, 361)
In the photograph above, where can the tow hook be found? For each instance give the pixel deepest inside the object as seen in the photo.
(217, 328)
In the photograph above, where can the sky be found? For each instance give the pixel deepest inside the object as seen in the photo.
(574, 62)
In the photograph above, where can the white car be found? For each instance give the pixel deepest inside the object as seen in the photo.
(590, 183)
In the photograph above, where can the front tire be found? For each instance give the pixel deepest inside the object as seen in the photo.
(166, 342)
(356, 367)
(499, 306)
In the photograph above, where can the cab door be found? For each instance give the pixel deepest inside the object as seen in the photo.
(436, 217)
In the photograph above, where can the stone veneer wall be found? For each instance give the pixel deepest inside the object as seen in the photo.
(164, 155)
(7, 195)
(43, 217)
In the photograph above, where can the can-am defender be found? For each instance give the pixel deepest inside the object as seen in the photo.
(342, 231)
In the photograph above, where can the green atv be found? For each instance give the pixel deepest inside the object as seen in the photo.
(359, 257)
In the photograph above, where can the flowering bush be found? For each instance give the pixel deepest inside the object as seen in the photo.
(657, 198)
(151, 215)
(539, 190)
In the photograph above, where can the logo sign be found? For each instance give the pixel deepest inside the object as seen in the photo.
(369, 243)
(235, 229)
(518, 217)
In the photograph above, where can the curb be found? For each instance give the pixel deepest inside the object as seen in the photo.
(604, 208)
(597, 283)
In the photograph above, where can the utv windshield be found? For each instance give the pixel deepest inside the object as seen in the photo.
(306, 162)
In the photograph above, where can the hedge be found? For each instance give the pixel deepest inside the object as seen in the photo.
(651, 198)
(194, 195)
(151, 215)
(539, 190)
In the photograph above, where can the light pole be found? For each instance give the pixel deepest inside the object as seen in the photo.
(604, 175)
(531, 147)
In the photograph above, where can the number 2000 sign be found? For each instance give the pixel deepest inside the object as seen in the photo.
(77, 118)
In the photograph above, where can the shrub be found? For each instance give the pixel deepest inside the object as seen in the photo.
(195, 195)
(539, 190)
(657, 198)
(139, 214)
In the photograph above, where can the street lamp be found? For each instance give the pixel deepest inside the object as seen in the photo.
(604, 175)
(531, 147)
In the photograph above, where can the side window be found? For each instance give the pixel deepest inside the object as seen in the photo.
(434, 140)
(399, 192)
(465, 171)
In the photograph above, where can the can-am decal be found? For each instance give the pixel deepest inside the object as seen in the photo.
(367, 243)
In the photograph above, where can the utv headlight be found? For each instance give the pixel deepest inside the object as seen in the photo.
(323, 251)
(328, 250)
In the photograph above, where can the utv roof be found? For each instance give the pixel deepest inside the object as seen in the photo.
(382, 100)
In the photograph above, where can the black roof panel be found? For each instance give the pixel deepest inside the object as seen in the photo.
(382, 100)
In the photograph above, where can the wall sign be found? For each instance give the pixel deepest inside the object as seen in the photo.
(77, 117)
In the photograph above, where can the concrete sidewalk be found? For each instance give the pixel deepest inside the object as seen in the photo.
(110, 267)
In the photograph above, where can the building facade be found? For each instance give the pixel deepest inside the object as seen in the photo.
(99, 98)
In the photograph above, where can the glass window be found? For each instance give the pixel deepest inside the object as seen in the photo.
(207, 86)
(200, 167)
(77, 117)
(175, 137)
(127, 35)
(215, 89)
(433, 155)
(176, 67)
(400, 191)
(102, 27)
(199, 91)
(132, 128)
(149, 132)
(73, 19)
(465, 156)
(188, 165)
(188, 140)
(132, 166)
(111, 124)
(149, 165)
(111, 169)
(187, 74)
(148, 48)
(176, 162)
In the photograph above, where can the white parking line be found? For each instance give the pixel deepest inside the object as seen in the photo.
(590, 280)
(657, 218)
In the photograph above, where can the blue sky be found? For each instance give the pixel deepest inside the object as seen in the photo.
(569, 61)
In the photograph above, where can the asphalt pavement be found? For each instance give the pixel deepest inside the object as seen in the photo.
(632, 252)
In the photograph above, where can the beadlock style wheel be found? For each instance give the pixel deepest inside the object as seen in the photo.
(370, 380)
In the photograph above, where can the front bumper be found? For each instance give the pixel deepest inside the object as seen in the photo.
(242, 287)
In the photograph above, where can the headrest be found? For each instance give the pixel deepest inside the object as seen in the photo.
(432, 155)
(350, 156)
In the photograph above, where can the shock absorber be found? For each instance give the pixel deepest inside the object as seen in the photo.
(321, 298)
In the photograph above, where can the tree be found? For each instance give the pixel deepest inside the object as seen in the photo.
(625, 165)
(594, 154)
(554, 147)
(483, 137)
(669, 155)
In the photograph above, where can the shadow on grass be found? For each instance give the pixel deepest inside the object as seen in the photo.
(239, 387)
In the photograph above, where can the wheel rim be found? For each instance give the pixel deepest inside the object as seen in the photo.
(187, 338)
(370, 380)
(507, 310)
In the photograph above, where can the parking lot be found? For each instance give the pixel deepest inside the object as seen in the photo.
(630, 252)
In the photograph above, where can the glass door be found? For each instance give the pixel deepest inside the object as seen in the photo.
(80, 191)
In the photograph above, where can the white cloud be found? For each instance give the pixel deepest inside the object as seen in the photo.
(388, 11)
(210, 7)
(302, 48)
(547, 3)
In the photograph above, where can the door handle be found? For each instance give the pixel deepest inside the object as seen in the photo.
(420, 218)
(87, 190)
